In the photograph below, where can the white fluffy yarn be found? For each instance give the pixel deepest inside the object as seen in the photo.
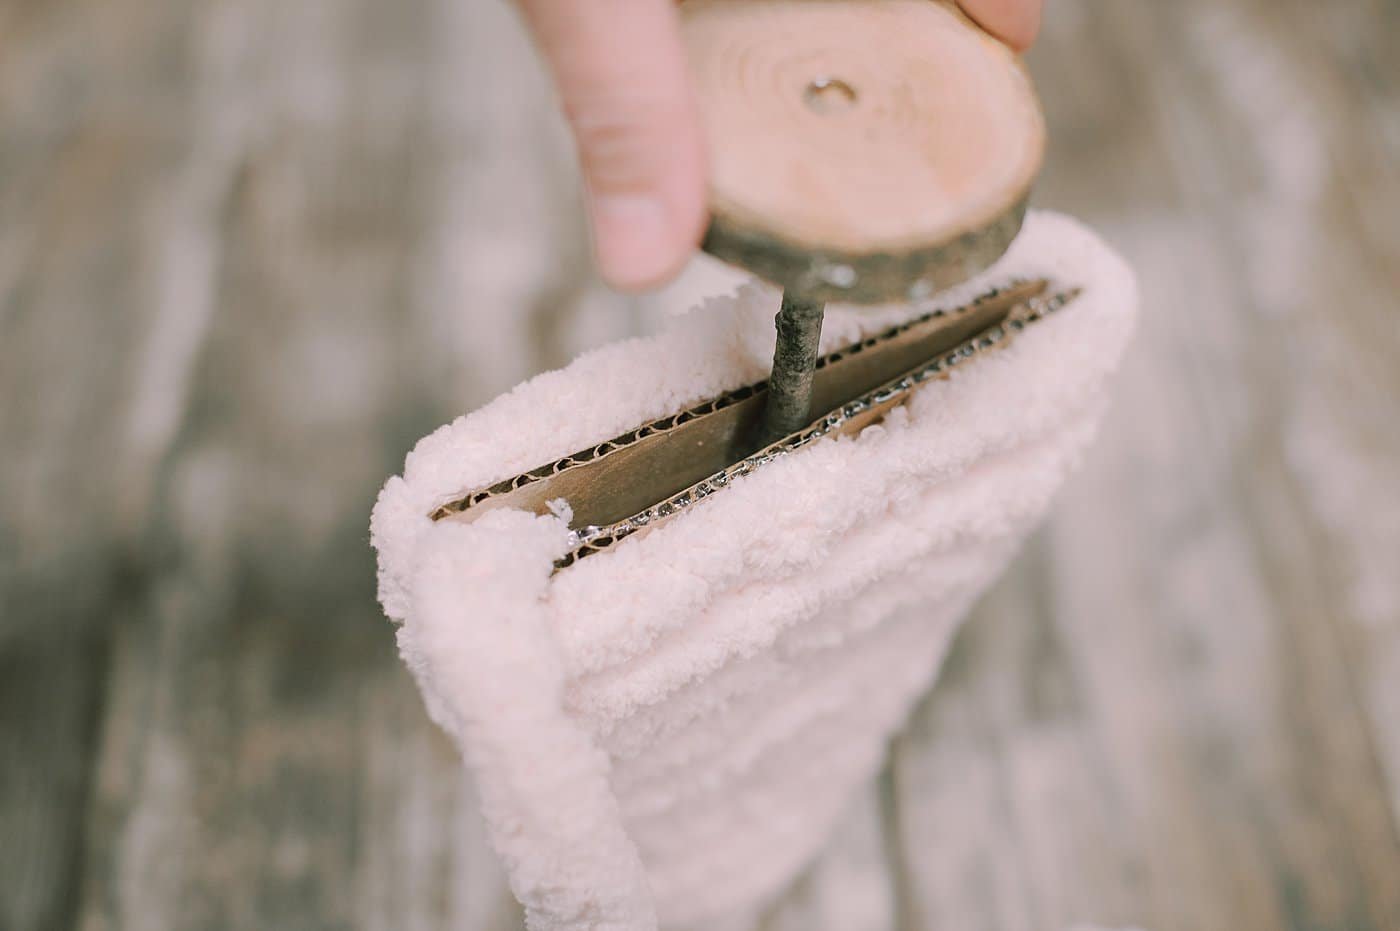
(668, 730)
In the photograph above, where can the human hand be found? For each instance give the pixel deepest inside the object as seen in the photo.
(621, 72)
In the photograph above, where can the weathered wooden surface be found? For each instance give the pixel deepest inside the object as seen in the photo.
(250, 250)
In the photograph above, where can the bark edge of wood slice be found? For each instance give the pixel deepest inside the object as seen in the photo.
(861, 151)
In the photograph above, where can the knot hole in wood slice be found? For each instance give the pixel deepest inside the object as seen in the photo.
(862, 151)
(829, 95)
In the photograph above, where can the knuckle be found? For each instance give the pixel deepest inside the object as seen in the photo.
(622, 139)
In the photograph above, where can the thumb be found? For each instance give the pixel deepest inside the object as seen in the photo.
(1015, 21)
(621, 71)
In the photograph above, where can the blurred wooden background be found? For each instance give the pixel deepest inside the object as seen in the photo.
(251, 249)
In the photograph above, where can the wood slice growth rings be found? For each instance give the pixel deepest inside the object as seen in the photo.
(861, 151)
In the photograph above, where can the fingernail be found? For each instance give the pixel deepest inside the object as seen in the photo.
(632, 239)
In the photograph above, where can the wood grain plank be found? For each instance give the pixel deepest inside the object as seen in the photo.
(1341, 456)
(1009, 817)
(265, 760)
(50, 694)
(250, 251)
(1204, 622)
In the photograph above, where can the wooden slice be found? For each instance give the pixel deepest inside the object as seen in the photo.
(861, 150)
